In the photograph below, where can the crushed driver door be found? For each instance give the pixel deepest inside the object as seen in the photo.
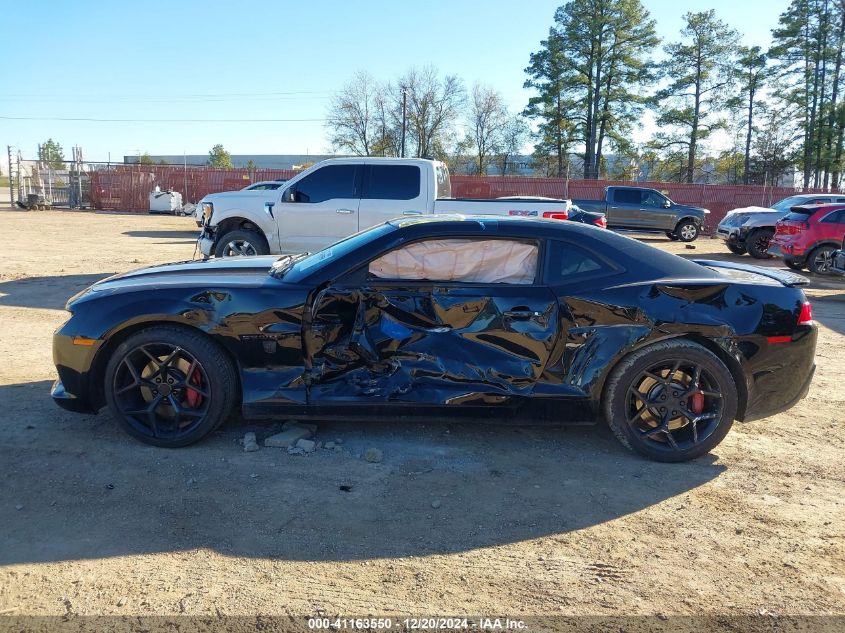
(428, 343)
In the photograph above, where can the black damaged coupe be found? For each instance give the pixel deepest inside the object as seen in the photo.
(498, 318)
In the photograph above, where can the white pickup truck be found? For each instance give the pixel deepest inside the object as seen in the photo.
(338, 197)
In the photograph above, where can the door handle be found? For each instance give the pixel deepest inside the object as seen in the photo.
(344, 211)
(522, 314)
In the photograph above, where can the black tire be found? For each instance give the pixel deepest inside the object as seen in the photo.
(671, 236)
(250, 242)
(686, 441)
(794, 264)
(687, 230)
(736, 249)
(129, 391)
(757, 243)
(820, 259)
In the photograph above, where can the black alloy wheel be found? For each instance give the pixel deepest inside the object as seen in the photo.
(672, 401)
(169, 387)
(758, 243)
(820, 260)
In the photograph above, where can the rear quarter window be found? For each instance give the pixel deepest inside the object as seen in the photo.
(568, 263)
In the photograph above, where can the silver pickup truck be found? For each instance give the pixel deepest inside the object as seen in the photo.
(341, 196)
(640, 208)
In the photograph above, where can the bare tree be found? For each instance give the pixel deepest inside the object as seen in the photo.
(510, 141)
(486, 119)
(433, 107)
(352, 117)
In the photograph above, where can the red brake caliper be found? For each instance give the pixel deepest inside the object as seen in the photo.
(192, 396)
(697, 402)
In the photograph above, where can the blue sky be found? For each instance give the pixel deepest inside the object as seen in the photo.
(274, 60)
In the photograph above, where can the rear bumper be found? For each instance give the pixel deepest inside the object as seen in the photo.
(781, 374)
(765, 413)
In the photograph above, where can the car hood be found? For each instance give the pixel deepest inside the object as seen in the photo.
(220, 273)
(752, 209)
(236, 195)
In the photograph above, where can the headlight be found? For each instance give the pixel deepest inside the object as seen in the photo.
(706, 211)
(207, 211)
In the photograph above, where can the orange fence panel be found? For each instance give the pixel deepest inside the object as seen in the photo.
(127, 187)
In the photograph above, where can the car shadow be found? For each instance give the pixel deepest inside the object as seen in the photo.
(176, 235)
(50, 292)
(829, 310)
(77, 487)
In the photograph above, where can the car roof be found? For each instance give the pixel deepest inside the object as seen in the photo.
(648, 261)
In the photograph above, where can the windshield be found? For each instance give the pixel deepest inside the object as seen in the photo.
(786, 203)
(295, 267)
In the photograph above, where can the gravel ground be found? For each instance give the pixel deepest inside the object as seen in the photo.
(456, 519)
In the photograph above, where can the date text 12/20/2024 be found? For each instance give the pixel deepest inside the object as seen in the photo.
(417, 624)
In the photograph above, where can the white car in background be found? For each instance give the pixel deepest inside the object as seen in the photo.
(263, 185)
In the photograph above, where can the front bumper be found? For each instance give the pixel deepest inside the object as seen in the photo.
(69, 401)
(206, 241)
(74, 363)
(730, 234)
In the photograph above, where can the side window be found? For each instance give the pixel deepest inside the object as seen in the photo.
(327, 183)
(483, 261)
(653, 199)
(835, 217)
(392, 182)
(627, 196)
(568, 262)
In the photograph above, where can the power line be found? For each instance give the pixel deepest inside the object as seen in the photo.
(211, 94)
(49, 118)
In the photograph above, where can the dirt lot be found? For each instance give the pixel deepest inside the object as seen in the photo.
(457, 519)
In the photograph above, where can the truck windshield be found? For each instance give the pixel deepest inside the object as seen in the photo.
(786, 203)
(444, 185)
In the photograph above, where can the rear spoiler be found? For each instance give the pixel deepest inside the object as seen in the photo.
(788, 279)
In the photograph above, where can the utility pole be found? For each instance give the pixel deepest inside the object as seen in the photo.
(404, 117)
(11, 180)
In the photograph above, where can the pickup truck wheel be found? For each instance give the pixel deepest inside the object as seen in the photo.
(687, 230)
(758, 243)
(241, 242)
(671, 235)
(820, 260)
(736, 249)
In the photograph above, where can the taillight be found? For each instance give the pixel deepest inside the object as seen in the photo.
(806, 315)
(787, 229)
(556, 215)
(602, 222)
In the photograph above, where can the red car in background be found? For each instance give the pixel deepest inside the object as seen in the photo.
(809, 235)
